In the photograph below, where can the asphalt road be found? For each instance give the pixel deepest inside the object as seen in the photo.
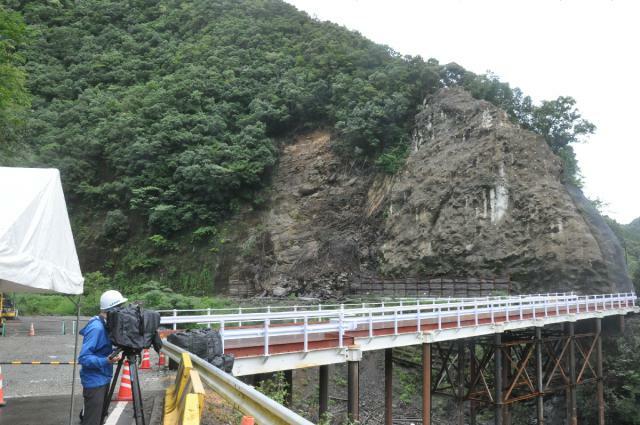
(54, 410)
(40, 394)
(43, 325)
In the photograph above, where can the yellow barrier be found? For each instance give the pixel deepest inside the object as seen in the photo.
(184, 400)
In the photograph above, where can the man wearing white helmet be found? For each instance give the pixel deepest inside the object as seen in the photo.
(97, 366)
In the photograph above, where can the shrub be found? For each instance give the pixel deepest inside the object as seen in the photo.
(116, 226)
(165, 219)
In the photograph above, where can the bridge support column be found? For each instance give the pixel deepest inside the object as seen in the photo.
(506, 381)
(621, 324)
(539, 378)
(426, 384)
(460, 391)
(353, 384)
(323, 399)
(498, 379)
(288, 377)
(388, 386)
(473, 370)
(599, 381)
(573, 388)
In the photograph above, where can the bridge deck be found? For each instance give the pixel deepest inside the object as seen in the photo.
(268, 342)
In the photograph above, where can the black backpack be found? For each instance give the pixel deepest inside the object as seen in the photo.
(206, 344)
(132, 327)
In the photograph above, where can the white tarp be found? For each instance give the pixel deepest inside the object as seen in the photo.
(37, 252)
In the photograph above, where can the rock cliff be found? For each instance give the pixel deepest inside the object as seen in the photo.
(478, 196)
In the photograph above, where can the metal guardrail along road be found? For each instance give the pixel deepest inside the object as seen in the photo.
(244, 397)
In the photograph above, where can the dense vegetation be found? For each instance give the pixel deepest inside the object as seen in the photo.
(13, 94)
(629, 236)
(165, 117)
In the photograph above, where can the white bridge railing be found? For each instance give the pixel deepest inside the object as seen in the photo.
(307, 321)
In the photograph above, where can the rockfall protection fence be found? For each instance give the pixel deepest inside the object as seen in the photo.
(429, 286)
(421, 286)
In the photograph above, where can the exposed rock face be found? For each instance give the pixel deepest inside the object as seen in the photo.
(478, 196)
(313, 231)
(482, 196)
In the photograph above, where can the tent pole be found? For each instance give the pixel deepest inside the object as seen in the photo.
(75, 361)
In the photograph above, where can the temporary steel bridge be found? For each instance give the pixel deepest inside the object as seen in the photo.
(530, 339)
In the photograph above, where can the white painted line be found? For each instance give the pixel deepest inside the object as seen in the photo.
(116, 413)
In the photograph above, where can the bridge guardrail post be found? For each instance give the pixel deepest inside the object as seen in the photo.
(306, 333)
(266, 337)
(175, 314)
(475, 314)
(521, 308)
(370, 324)
(546, 308)
(222, 334)
(341, 330)
(586, 303)
(395, 321)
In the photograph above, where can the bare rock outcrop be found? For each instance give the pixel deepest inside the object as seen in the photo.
(481, 196)
(478, 196)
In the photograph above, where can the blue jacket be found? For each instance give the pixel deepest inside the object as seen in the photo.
(96, 370)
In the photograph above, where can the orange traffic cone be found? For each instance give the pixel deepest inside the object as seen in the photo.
(2, 403)
(161, 360)
(248, 420)
(32, 331)
(124, 392)
(146, 364)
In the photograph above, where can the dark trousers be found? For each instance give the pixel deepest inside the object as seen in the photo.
(94, 399)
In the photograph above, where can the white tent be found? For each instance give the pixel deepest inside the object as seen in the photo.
(37, 252)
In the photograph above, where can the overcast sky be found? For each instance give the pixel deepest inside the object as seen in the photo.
(588, 49)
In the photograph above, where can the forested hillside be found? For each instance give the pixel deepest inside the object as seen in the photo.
(166, 117)
(629, 235)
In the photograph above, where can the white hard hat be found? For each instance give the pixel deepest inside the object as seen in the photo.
(110, 299)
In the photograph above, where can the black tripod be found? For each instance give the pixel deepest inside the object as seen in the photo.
(138, 411)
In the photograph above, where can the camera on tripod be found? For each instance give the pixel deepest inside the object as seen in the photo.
(132, 329)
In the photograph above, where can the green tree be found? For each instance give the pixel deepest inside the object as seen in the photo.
(13, 94)
(562, 125)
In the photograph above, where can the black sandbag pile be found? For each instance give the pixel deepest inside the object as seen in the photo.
(206, 344)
